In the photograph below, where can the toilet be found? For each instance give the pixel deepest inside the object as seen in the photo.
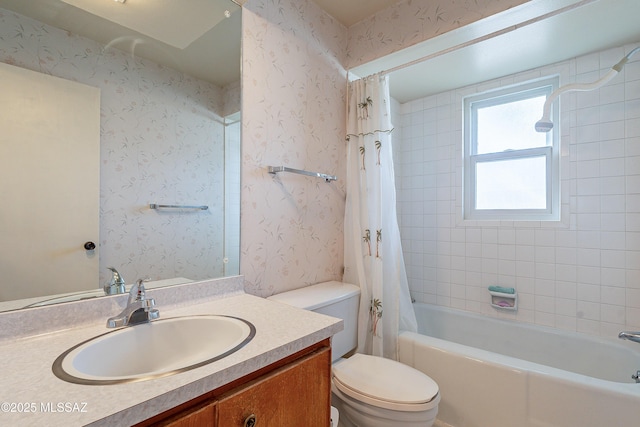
(368, 391)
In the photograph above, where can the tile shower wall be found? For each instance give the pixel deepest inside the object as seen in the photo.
(582, 274)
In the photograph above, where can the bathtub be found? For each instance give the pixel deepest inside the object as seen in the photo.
(501, 373)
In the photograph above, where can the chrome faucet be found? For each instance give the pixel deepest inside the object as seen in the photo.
(116, 284)
(635, 337)
(139, 308)
(631, 336)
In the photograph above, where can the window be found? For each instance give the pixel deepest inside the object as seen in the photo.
(511, 172)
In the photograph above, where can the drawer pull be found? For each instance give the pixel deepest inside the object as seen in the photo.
(250, 421)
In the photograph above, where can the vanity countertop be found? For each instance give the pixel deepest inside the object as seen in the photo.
(30, 394)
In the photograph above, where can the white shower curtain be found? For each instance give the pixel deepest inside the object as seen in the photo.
(373, 252)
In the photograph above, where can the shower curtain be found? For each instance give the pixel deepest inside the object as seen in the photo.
(373, 251)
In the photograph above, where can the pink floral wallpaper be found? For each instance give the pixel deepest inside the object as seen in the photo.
(293, 114)
(293, 103)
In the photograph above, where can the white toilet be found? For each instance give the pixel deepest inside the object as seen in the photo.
(368, 391)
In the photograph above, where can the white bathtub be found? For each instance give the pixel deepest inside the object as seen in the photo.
(501, 373)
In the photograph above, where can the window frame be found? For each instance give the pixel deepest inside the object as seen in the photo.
(551, 152)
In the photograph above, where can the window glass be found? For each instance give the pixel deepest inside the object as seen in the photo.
(511, 172)
(509, 126)
(512, 184)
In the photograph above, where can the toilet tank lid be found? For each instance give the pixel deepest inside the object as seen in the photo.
(316, 296)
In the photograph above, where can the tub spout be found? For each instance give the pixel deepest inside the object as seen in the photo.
(631, 336)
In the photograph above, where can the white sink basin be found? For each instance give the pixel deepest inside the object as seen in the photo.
(152, 350)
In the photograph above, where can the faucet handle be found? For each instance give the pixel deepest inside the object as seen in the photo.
(137, 291)
(116, 278)
(116, 285)
(139, 308)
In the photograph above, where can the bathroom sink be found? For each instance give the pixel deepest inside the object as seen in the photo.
(153, 350)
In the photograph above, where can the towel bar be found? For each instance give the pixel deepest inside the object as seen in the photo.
(276, 169)
(156, 206)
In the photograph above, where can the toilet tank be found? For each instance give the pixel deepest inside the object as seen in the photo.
(334, 299)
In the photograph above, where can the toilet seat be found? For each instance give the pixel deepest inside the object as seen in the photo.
(385, 383)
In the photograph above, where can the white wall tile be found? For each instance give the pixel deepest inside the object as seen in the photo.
(613, 295)
(612, 259)
(613, 203)
(612, 314)
(632, 127)
(582, 274)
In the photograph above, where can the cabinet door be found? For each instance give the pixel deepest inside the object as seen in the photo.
(297, 395)
(203, 416)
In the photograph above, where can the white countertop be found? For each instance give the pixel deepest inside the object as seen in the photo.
(27, 382)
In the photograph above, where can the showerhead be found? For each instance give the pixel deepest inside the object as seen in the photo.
(544, 125)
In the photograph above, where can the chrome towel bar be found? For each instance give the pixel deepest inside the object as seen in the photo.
(156, 206)
(276, 169)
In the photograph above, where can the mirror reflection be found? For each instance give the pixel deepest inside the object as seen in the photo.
(161, 108)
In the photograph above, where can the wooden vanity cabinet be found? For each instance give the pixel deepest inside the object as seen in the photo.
(291, 393)
(295, 395)
(202, 416)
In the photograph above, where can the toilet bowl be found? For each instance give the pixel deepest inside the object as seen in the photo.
(377, 392)
(368, 391)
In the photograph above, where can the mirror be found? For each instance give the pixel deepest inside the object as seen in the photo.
(169, 135)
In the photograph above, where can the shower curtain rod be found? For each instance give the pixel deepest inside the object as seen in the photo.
(486, 37)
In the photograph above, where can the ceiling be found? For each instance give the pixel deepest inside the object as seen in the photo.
(172, 23)
(537, 33)
(348, 12)
(186, 39)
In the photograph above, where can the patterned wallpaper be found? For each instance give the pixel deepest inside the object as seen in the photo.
(153, 122)
(294, 57)
(293, 115)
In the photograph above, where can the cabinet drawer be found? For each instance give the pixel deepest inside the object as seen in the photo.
(297, 395)
(202, 416)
